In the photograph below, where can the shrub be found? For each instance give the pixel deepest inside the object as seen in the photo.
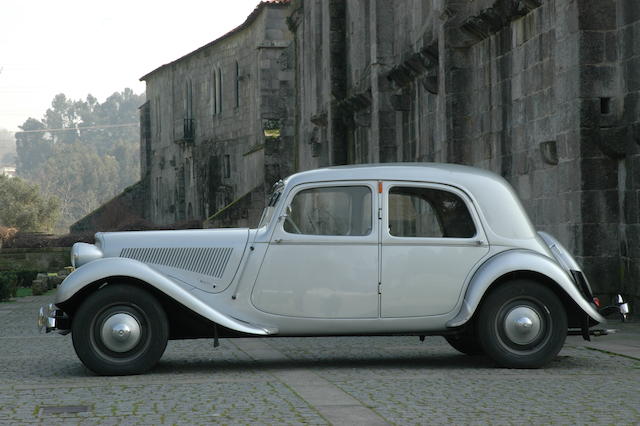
(8, 285)
(25, 277)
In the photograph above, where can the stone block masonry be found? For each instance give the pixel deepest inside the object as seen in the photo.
(543, 92)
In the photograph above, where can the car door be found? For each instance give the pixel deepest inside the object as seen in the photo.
(431, 240)
(322, 260)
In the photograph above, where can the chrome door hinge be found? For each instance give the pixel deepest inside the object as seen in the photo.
(379, 288)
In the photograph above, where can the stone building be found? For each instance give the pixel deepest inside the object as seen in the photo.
(214, 124)
(544, 92)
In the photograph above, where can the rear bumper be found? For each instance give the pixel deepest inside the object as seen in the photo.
(619, 306)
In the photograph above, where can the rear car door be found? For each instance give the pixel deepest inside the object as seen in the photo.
(431, 239)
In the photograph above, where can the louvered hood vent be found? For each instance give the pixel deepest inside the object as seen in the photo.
(206, 261)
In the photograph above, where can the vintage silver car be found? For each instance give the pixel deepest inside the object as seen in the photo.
(396, 249)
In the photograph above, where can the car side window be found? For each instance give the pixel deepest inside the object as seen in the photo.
(428, 213)
(335, 210)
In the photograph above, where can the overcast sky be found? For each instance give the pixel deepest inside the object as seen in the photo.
(78, 47)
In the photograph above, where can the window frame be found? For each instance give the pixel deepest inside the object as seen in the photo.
(478, 239)
(280, 234)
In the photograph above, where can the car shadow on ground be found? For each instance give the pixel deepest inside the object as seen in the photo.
(433, 363)
(72, 369)
(404, 363)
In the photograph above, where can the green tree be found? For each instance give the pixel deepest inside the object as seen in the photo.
(83, 152)
(33, 147)
(23, 207)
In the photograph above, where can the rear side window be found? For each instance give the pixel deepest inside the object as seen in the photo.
(428, 213)
(335, 210)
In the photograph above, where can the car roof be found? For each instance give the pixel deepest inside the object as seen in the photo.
(434, 172)
(497, 200)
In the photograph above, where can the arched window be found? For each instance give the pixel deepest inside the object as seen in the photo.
(158, 118)
(214, 92)
(237, 88)
(188, 99)
(219, 91)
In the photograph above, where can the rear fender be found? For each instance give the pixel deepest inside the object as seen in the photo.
(515, 261)
(102, 269)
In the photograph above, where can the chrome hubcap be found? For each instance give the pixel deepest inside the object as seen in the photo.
(522, 325)
(120, 332)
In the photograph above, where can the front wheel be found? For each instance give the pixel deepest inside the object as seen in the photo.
(119, 330)
(522, 324)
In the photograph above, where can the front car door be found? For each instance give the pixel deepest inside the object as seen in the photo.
(431, 240)
(322, 261)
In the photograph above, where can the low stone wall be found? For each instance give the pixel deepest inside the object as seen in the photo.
(41, 259)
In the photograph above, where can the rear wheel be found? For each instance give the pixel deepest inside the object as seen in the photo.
(119, 330)
(522, 324)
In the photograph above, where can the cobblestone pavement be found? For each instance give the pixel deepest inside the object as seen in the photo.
(365, 380)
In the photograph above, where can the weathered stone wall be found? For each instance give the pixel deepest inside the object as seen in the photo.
(544, 92)
(228, 93)
(625, 134)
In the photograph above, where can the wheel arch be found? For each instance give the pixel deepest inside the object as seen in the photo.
(183, 322)
(514, 264)
(174, 298)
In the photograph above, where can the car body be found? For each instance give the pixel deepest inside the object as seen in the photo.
(407, 249)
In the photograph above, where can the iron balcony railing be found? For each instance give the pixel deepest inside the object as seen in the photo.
(188, 130)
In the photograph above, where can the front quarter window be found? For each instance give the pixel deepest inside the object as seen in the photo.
(335, 210)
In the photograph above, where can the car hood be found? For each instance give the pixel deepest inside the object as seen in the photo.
(204, 258)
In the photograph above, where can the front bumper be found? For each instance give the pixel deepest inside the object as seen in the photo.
(52, 319)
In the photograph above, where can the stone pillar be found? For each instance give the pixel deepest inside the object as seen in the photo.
(625, 107)
(383, 120)
(601, 145)
(338, 80)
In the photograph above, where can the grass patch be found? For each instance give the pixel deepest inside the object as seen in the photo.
(24, 292)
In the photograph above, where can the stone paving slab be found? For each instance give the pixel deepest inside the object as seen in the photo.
(393, 380)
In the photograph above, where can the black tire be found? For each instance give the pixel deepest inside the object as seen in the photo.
(522, 324)
(120, 330)
(467, 344)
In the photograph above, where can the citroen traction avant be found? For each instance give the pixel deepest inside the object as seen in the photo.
(394, 249)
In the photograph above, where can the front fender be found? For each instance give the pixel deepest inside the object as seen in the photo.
(514, 261)
(102, 269)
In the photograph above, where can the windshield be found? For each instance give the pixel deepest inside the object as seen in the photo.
(273, 198)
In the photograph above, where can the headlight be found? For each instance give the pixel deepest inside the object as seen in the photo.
(82, 253)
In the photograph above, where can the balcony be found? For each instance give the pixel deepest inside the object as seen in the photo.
(187, 132)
